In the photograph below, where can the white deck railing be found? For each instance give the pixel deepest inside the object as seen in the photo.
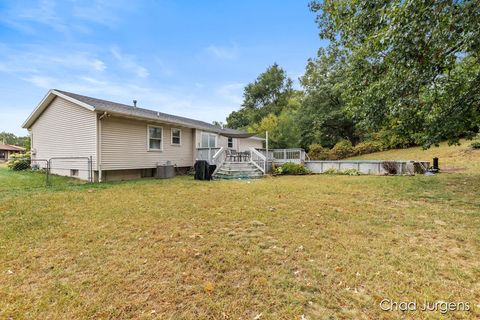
(280, 156)
(206, 154)
(219, 158)
(258, 159)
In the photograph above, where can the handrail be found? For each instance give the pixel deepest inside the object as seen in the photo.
(218, 152)
(258, 159)
(218, 159)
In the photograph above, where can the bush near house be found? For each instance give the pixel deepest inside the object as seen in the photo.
(19, 161)
(291, 168)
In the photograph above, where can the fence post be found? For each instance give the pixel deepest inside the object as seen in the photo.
(47, 176)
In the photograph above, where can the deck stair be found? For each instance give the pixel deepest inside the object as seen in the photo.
(238, 170)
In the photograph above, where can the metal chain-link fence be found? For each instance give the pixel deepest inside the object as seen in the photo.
(76, 167)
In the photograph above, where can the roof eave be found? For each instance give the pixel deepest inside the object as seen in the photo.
(159, 120)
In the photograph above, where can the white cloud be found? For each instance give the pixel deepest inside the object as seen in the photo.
(41, 81)
(34, 59)
(20, 16)
(67, 17)
(98, 65)
(128, 63)
(224, 52)
(231, 92)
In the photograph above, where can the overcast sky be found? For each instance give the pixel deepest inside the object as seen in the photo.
(189, 58)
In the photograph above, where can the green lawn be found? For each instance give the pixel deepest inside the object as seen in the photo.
(21, 181)
(323, 246)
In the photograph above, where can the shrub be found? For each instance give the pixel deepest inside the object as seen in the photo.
(351, 172)
(343, 149)
(292, 168)
(390, 166)
(348, 172)
(317, 152)
(19, 161)
(331, 171)
(366, 147)
(475, 145)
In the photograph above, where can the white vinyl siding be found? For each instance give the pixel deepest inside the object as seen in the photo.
(65, 129)
(245, 144)
(124, 146)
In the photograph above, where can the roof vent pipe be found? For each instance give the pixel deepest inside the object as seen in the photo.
(134, 103)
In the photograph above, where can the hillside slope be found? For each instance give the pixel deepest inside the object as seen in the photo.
(452, 158)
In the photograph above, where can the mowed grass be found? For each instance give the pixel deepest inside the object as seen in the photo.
(322, 246)
(457, 158)
(22, 181)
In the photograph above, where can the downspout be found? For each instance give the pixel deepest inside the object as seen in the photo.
(99, 148)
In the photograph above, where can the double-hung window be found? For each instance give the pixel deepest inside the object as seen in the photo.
(230, 142)
(209, 140)
(176, 136)
(155, 135)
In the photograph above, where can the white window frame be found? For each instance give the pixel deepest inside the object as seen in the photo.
(209, 134)
(171, 137)
(148, 138)
(228, 142)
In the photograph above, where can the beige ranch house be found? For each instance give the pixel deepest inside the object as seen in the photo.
(122, 141)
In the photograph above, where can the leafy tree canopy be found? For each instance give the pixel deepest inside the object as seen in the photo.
(412, 66)
(269, 93)
(10, 138)
(322, 117)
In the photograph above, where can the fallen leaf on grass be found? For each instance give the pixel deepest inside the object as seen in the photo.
(209, 286)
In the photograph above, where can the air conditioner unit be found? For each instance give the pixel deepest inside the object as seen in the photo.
(165, 171)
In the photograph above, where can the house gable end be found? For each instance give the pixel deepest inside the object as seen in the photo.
(45, 103)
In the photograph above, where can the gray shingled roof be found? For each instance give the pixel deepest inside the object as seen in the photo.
(123, 109)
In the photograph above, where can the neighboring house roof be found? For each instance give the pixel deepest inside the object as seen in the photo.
(100, 105)
(9, 147)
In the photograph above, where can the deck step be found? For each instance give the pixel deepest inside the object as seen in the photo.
(238, 170)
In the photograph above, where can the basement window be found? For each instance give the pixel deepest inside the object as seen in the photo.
(73, 172)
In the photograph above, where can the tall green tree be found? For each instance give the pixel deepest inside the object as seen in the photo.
(412, 65)
(10, 138)
(268, 94)
(322, 117)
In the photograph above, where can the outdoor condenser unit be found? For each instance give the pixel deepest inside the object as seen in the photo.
(165, 171)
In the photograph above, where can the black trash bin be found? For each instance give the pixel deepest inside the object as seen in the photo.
(203, 171)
